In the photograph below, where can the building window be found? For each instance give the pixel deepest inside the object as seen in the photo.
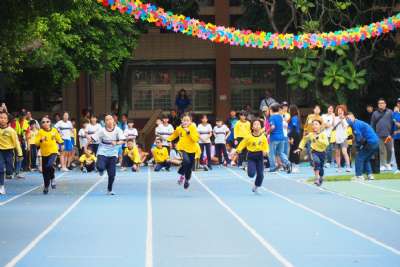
(206, 3)
(183, 76)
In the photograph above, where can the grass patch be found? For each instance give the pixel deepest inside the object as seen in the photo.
(379, 176)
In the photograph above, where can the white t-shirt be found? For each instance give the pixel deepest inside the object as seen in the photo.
(93, 129)
(341, 130)
(65, 129)
(204, 132)
(328, 119)
(105, 138)
(131, 134)
(220, 134)
(82, 134)
(164, 132)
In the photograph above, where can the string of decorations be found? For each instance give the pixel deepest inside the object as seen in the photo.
(259, 39)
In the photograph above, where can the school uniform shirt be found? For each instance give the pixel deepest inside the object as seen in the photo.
(133, 154)
(87, 159)
(319, 141)
(276, 133)
(187, 140)
(164, 131)
(50, 143)
(241, 129)
(341, 130)
(254, 144)
(131, 134)
(9, 140)
(92, 130)
(65, 128)
(204, 132)
(32, 136)
(328, 119)
(160, 154)
(220, 133)
(105, 138)
(83, 140)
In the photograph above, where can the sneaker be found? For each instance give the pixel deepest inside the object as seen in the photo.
(274, 170)
(110, 193)
(383, 168)
(255, 189)
(9, 177)
(209, 167)
(53, 184)
(123, 169)
(186, 184)
(64, 170)
(396, 171)
(70, 168)
(45, 191)
(388, 167)
(289, 168)
(19, 175)
(321, 180)
(118, 164)
(370, 177)
(358, 178)
(327, 165)
(206, 168)
(34, 170)
(295, 169)
(181, 179)
(348, 169)
(317, 181)
(2, 190)
(338, 170)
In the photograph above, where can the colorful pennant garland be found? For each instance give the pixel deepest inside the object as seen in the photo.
(235, 37)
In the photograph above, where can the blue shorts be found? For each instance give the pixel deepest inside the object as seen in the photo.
(68, 147)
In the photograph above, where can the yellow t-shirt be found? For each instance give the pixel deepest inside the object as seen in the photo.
(242, 129)
(319, 142)
(32, 136)
(187, 142)
(87, 159)
(160, 154)
(254, 144)
(9, 140)
(133, 154)
(48, 141)
(308, 124)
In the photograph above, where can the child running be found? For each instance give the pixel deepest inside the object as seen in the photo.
(88, 161)
(188, 138)
(47, 140)
(319, 143)
(8, 143)
(109, 138)
(257, 147)
(161, 156)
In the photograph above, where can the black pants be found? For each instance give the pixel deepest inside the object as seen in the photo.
(220, 149)
(107, 163)
(255, 166)
(127, 162)
(187, 165)
(294, 157)
(397, 152)
(207, 147)
(89, 167)
(48, 169)
(243, 155)
(34, 152)
(160, 165)
(6, 163)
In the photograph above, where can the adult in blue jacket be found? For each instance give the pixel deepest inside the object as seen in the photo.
(367, 143)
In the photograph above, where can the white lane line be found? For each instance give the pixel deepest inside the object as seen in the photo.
(49, 228)
(330, 191)
(149, 238)
(252, 231)
(377, 187)
(325, 217)
(26, 192)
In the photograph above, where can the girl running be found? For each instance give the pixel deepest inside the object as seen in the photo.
(188, 138)
(257, 147)
(109, 138)
(47, 140)
(319, 143)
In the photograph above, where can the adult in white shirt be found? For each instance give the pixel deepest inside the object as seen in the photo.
(221, 133)
(92, 129)
(205, 131)
(110, 138)
(328, 121)
(340, 128)
(65, 129)
(164, 130)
